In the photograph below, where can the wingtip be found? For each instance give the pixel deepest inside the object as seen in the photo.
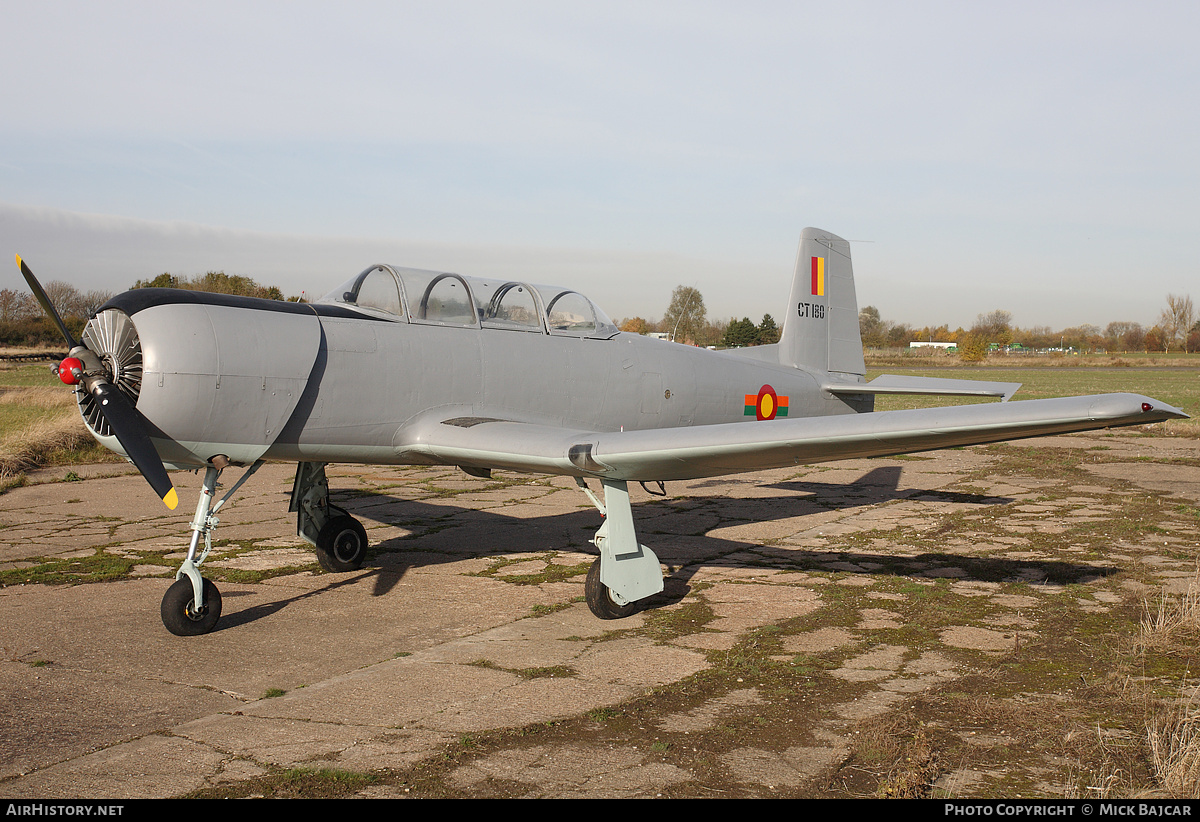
(171, 499)
(1149, 404)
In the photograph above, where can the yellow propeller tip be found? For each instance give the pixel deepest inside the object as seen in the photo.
(171, 499)
(18, 260)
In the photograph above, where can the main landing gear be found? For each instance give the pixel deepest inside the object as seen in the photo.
(626, 571)
(339, 538)
(192, 605)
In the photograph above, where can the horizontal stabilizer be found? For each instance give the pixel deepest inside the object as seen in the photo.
(896, 384)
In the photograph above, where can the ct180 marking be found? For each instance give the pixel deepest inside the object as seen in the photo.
(814, 310)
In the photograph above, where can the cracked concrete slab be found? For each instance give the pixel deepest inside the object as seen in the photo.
(468, 622)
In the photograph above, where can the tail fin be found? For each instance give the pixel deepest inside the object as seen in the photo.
(820, 330)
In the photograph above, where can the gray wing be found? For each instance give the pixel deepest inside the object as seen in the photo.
(730, 448)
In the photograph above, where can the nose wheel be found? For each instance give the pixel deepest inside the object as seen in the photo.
(180, 613)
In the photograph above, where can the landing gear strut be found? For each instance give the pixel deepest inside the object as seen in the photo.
(626, 571)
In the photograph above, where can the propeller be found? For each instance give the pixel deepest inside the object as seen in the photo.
(83, 366)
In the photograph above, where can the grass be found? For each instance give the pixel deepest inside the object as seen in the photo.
(1124, 733)
(1174, 742)
(1179, 387)
(40, 425)
(99, 566)
(1167, 382)
(54, 439)
(291, 783)
(1170, 626)
(1168, 619)
(1033, 702)
(930, 358)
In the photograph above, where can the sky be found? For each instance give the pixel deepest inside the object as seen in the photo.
(1035, 157)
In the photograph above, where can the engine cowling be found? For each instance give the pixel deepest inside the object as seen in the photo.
(211, 374)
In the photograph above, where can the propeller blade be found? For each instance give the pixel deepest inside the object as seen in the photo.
(131, 433)
(127, 425)
(47, 306)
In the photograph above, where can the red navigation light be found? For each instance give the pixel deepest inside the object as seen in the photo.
(1147, 406)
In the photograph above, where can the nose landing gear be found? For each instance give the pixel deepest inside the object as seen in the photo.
(192, 605)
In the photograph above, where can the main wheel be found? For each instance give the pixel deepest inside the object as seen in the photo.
(342, 544)
(179, 612)
(599, 598)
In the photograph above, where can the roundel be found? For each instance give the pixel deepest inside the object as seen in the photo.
(768, 403)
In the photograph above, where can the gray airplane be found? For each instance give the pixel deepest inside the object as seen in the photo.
(405, 367)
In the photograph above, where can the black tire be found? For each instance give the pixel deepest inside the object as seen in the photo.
(179, 613)
(599, 599)
(342, 544)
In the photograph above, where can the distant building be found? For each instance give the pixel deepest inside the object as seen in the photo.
(932, 345)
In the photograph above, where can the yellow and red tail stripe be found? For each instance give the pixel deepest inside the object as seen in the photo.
(766, 404)
(818, 276)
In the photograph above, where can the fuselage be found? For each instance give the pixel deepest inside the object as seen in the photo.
(624, 382)
(337, 382)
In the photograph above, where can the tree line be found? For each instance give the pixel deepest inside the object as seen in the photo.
(686, 321)
(23, 323)
(1177, 329)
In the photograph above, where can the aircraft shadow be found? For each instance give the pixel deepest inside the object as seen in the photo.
(442, 533)
(233, 619)
(880, 485)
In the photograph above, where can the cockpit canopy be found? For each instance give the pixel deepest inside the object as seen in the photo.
(435, 298)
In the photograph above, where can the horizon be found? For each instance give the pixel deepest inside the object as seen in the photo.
(267, 259)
